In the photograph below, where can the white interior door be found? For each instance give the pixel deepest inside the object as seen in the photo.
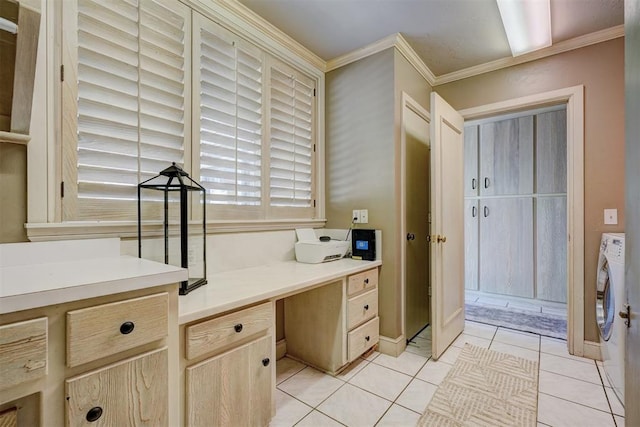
(447, 227)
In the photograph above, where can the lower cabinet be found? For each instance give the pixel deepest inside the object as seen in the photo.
(233, 388)
(131, 392)
(229, 368)
(334, 324)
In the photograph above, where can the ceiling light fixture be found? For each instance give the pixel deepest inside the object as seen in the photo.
(527, 24)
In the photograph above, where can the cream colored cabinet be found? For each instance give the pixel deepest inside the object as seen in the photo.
(332, 325)
(108, 360)
(233, 388)
(131, 392)
(23, 352)
(229, 368)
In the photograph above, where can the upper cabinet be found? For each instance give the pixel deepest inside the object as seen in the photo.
(506, 157)
(551, 152)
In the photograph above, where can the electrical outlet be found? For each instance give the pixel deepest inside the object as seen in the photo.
(364, 216)
(611, 216)
(355, 217)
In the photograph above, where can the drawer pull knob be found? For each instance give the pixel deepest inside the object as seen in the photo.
(238, 327)
(367, 338)
(366, 281)
(94, 414)
(265, 361)
(127, 327)
(366, 307)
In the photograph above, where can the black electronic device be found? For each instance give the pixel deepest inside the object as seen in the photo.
(363, 244)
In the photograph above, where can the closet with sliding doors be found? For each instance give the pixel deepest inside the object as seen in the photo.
(515, 204)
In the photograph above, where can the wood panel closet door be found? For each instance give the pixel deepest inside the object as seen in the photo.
(551, 152)
(471, 161)
(551, 248)
(506, 157)
(506, 246)
(471, 228)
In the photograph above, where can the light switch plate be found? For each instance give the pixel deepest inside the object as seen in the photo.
(364, 216)
(355, 217)
(611, 216)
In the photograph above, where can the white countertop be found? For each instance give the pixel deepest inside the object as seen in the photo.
(234, 289)
(36, 275)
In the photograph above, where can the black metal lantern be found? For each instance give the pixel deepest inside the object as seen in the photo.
(184, 244)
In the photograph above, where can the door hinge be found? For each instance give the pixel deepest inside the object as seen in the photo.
(314, 148)
(429, 290)
(62, 73)
(314, 203)
(62, 189)
(429, 217)
(314, 92)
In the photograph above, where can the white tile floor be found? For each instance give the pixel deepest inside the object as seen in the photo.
(388, 391)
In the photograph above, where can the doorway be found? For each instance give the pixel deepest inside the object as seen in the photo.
(515, 209)
(415, 194)
(574, 99)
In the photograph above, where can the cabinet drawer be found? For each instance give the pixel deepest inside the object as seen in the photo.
(207, 336)
(23, 351)
(361, 281)
(362, 308)
(363, 338)
(131, 392)
(103, 330)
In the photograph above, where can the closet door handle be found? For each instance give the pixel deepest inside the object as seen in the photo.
(486, 182)
(473, 183)
(486, 211)
(474, 211)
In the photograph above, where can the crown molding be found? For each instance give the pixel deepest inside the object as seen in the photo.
(563, 46)
(360, 53)
(394, 40)
(243, 21)
(407, 51)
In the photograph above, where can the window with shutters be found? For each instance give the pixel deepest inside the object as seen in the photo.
(150, 82)
(291, 142)
(125, 109)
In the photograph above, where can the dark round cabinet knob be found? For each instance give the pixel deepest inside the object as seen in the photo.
(127, 328)
(265, 361)
(367, 338)
(94, 414)
(366, 307)
(366, 280)
(238, 327)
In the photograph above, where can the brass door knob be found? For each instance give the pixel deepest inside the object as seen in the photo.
(442, 239)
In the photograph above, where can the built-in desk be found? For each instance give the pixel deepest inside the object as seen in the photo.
(228, 329)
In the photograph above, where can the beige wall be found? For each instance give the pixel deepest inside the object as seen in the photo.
(13, 192)
(600, 68)
(362, 162)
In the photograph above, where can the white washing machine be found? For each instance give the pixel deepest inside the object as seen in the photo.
(611, 299)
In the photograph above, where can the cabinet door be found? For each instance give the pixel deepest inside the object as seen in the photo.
(506, 246)
(471, 161)
(131, 392)
(232, 389)
(471, 226)
(551, 248)
(551, 152)
(506, 157)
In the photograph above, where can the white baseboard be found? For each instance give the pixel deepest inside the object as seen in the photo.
(392, 346)
(281, 348)
(592, 350)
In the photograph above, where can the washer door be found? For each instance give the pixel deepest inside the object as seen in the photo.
(605, 304)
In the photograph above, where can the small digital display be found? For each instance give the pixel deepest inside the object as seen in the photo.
(362, 245)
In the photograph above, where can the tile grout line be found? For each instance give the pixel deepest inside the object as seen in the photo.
(576, 403)
(606, 395)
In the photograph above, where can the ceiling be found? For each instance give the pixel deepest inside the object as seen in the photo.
(448, 35)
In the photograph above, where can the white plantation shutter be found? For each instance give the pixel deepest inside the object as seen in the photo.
(228, 77)
(291, 152)
(131, 100)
